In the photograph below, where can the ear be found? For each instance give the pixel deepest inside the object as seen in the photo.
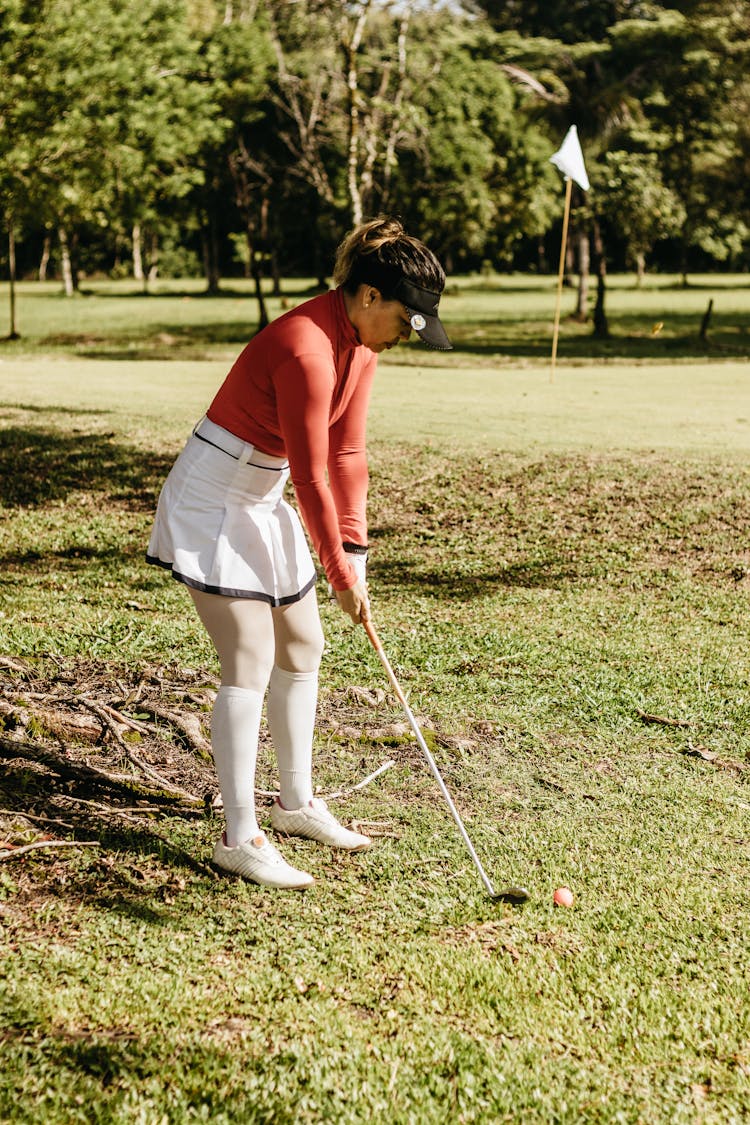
(370, 295)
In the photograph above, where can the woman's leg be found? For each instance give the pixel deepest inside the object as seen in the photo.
(292, 701)
(293, 696)
(242, 632)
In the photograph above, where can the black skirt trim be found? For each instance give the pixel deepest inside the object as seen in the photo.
(255, 465)
(251, 595)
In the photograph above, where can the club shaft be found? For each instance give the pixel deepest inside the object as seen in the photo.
(375, 641)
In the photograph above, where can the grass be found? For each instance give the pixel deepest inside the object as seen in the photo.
(504, 319)
(551, 564)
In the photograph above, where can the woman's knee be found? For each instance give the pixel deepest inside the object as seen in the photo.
(299, 637)
(300, 653)
(246, 668)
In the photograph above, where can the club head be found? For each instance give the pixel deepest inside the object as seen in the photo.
(515, 895)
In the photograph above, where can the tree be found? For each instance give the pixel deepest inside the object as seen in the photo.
(691, 64)
(346, 84)
(659, 83)
(109, 114)
(15, 167)
(235, 62)
(475, 181)
(641, 207)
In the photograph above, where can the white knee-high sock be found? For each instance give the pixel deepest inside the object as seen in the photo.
(235, 723)
(290, 712)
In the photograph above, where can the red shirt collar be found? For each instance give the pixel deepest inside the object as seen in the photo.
(347, 331)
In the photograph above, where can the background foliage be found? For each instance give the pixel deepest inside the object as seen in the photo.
(245, 136)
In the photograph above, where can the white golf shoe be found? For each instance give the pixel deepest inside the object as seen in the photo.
(260, 862)
(315, 822)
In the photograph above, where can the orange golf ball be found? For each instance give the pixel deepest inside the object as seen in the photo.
(563, 896)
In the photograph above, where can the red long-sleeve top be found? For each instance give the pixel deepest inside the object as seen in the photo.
(301, 389)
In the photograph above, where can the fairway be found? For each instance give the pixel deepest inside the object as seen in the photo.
(688, 408)
(692, 408)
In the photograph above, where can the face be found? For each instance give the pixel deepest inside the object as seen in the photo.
(380, 324)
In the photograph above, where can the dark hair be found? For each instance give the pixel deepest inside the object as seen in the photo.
(380, 253)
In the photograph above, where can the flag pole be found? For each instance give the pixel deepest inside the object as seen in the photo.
(561, 271)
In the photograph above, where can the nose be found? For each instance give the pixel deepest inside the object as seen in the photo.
(405, 332)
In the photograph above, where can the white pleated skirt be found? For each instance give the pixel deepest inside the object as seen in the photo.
(222, 524)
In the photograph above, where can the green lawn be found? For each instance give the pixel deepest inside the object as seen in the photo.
(561, 576)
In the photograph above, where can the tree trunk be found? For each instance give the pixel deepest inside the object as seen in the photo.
(67, 263)
(703, 334)
(137, 253)
(275, 272)
(601, 327)
(570, 263)
(13, 333)
(584, 275)
(256, 273)
(640, 269)
(352, 81)
(153, 261)
(210, 257)
(390, 161)
(44, 261)
(683, 259)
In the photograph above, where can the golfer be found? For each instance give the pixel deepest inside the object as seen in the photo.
(294, 404)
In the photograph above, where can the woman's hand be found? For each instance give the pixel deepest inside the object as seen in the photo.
(355, 602)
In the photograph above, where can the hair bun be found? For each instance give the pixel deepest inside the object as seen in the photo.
(383, 245)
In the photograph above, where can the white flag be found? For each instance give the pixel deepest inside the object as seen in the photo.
(569, 159)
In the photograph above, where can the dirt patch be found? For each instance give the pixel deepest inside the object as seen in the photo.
(101, 761)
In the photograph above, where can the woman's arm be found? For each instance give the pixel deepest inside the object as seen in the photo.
(304, 389)
(347, 463)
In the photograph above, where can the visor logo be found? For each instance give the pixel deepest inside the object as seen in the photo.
(417, 322)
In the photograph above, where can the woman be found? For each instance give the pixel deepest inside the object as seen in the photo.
(294, 403)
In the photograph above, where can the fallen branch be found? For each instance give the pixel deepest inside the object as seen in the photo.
(218, 804)
(104, 713)
(104, 710)
(189, 726)
(645, 717)
(36, 706)
(12, 853)
(361, 784)
(81, 771)
(15, 814)
(118, 810)
(711, 756)
(123, 813)
(379, 828)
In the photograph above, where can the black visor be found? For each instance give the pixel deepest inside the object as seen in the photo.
(422, 306)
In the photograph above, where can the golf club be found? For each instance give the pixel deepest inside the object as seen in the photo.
(507, 894)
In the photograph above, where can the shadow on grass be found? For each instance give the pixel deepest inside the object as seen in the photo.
(77, 555)
(89, 816)
(292, 290)
(121, 1074)
(725, 341)
(156, 342)
(631, 337)
(542, 282)
(43, 464)
(446, 582)
(35, 408)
